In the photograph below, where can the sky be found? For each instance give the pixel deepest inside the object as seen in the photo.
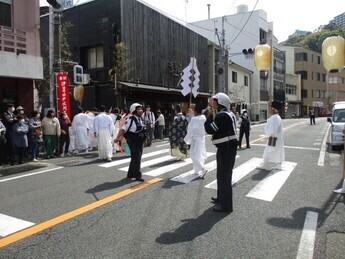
(286, 15)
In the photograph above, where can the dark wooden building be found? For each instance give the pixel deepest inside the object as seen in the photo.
(159, 48)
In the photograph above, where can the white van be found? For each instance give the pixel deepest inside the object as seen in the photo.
(338, 122)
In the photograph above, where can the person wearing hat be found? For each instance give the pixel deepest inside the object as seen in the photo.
(274, 150)
(221, 123)
(245, 126)
(135, 133)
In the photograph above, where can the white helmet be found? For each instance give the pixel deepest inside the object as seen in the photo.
(222, 99)
(134, 106)
(244, 110)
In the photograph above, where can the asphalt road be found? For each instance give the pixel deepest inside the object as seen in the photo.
(88, 209)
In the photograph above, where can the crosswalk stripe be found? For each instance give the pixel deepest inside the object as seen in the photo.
(127, 160)
(190, 175)
(164, 169)
(239, 172)
(10, 225)
(268, 188)
(151, 162)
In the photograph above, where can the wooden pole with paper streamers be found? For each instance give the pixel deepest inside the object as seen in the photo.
(190, 86)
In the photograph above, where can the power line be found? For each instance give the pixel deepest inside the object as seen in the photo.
(257, 1)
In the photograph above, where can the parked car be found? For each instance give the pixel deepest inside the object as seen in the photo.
(337, 125)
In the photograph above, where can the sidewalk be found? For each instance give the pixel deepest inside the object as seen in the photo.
(28, 165)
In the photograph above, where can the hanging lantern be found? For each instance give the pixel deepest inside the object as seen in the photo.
(78, 93)
(262, 57)
(333, 53)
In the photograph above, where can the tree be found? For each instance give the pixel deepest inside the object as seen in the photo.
(120, 69)
(313, 41)
(43, 85)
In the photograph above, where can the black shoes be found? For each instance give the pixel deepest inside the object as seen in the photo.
(215, 200)
(139, 179)
(218, 208)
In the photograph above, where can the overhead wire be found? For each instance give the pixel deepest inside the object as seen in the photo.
(257, 1)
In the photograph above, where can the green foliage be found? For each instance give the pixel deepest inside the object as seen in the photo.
(121, 63)
(313, 41)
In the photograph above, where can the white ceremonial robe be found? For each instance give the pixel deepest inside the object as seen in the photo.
(274, 128)
(104, 128)
(93, 140)
(196, 139)
(80, 126)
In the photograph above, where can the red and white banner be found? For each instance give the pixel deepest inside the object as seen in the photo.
(62, 85)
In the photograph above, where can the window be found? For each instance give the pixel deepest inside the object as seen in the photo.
(234, 77)
(333, 80)
(263, 84)
(323, 77)
(317, 93)
(263, 36)
(318, 77)
(94, 57)
(290, 89)
(246, 80)
(304, 93)
(304, 74)
(319, 60)
(6, 13)
(301, 56)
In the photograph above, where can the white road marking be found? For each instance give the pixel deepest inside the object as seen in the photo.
(190, 175)
(10, 225)
(302, 148)
(267, 188)
(163, 145)
(307, 242)
(152, 162)
(127, 160)
(239, 172)
(30, 174)
(164, 169)
(321, 161)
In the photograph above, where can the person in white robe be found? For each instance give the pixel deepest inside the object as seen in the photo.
(274, 150)
(196, 139)
(116, 117)
(81, 126)
(103, 130)
(92, 114)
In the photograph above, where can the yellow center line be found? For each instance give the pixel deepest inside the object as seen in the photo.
(72, 214)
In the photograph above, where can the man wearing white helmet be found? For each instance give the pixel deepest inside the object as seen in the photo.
(135, 132)
(221, 123)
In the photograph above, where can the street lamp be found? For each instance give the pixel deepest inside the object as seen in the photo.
(333, 58)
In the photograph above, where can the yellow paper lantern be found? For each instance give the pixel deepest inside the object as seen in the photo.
(333, 53)
(78, 93)
(262, 57)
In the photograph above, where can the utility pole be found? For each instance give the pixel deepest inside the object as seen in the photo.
(222, 64)
(51, 56)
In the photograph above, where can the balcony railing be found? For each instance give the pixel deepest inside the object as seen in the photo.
(14, 40)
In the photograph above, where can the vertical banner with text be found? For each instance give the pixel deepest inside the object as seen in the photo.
(62, 84)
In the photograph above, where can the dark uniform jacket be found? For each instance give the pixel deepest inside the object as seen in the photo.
(222, 128)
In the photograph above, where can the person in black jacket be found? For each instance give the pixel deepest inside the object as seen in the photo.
(244, 123)
(221, 123)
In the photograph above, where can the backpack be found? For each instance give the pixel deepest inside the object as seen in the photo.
(139, 135)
